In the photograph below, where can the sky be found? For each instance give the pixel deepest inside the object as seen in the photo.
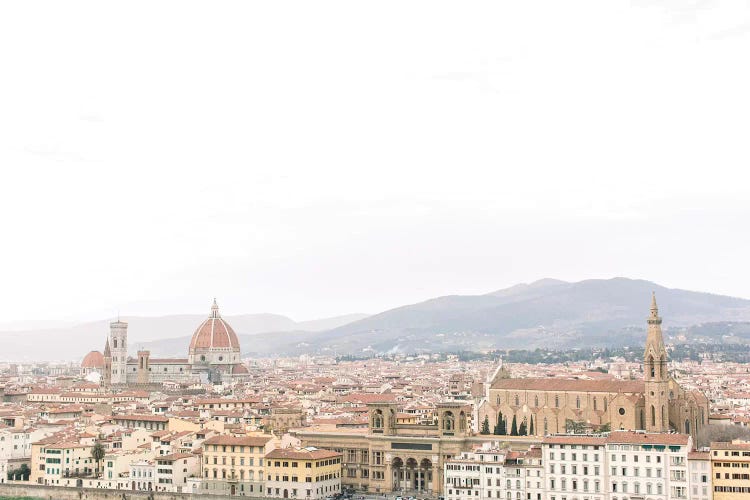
(321, 158)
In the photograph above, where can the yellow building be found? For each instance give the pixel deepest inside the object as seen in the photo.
(58, 462)
(307, 473)
(730, 468)
(234, 465)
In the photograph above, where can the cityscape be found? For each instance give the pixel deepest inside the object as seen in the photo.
(393, 250)
(422, 426)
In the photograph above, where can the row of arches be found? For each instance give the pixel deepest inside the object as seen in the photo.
(412, 475)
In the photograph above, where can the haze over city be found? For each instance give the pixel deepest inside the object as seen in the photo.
(413, 250)
(317, 159)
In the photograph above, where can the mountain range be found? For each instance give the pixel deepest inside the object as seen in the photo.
(545, 313)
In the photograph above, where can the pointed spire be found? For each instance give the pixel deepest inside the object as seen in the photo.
(654, 339)
(215, 310)
(654, 318)
(107, 351)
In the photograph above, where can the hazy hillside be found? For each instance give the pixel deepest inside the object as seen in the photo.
(165, 335)
(546, 313)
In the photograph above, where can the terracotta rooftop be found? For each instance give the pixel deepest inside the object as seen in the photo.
(572, 385)
(302, 453)
(238, 441)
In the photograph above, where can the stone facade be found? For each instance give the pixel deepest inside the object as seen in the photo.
(213, 356)
(657, 403)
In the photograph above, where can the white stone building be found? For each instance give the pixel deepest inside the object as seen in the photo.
(624, 465)
(495, 473)
(699, 475)
(142, 475)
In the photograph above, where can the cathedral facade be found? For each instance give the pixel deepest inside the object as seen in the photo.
(547, 406)
(213, 356)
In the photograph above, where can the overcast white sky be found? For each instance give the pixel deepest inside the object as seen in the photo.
(318, 158)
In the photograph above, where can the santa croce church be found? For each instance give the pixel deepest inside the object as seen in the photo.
(543, 406)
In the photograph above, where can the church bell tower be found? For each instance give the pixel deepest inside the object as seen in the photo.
(655, 374)
(118, 341)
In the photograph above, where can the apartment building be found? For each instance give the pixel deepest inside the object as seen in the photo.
(699, 475)
(495, 473)
(307, 473)
(234, 464)
(65, 460)
(173, 471)
(730, 467)
(620, 466)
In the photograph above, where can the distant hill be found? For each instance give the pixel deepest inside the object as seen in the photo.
(546, 313)
(165, 335)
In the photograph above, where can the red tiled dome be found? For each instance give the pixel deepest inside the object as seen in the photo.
(94, 359)
(239, 369)
(214, 333)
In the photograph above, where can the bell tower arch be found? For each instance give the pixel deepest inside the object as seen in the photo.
(655, 374)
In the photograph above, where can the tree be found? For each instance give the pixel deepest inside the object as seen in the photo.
(485, 425)
(522, 428)
(97, 453)
(606, 427)
(717, 432)
(574, 426)
(20, 474)
(531, 425)
(500, 425)
(514, 427)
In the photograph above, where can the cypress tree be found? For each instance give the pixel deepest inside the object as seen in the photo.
(522, 428)
(531, 425)
(485, 425)
(499, 422)
(514, 427)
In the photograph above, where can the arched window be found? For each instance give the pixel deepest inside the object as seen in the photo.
(498, 400)
(545, 426)
(605, 403)
(687, 426)
(557, 401)
(578, 402)
(650, 366)
(377, 419)
(516, 399)
(653, 416)
(448, 422)
(594, 403)
(536, 400)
